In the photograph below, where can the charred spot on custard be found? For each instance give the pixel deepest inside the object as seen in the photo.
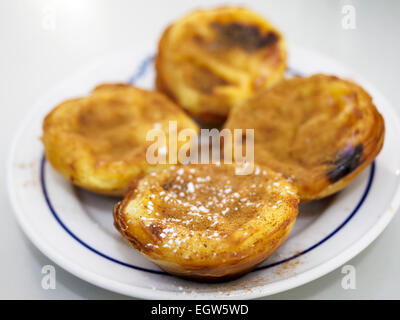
(168, 185)
(156, 230)
(347, 161)
(205, 80)
(247, 37)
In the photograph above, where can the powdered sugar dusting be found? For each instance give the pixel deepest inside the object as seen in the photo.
(210, 205)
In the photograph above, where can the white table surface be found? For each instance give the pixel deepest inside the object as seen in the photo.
(43, 41)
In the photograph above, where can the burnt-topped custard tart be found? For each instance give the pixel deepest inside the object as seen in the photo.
(212, 60)
(320, 131)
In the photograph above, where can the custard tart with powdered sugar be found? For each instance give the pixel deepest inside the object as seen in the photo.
(206, 222)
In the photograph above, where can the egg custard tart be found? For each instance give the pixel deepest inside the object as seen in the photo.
(320, 132)
(205, 222)
(211, 60)
(99, 142)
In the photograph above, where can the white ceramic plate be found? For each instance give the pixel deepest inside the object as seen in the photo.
(75, 228)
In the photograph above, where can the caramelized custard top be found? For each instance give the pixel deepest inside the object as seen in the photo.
(313, 130)
(209, 199)
(108, 126)
(113, 122)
